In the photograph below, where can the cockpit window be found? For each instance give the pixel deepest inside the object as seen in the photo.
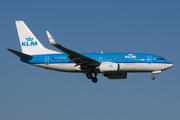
(160, 58)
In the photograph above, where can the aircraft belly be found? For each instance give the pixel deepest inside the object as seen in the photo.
(155, 66)
(141, 67)
(130, 67)
(124, 67)
(59, 67)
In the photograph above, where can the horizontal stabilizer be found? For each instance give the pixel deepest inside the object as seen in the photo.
(19, 53)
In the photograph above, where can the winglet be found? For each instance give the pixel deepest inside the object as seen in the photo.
(51, 40)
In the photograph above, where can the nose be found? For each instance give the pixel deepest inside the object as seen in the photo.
(169, 65)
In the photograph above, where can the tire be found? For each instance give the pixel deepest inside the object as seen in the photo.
(94, 80)
(89, 75)
(152, 77)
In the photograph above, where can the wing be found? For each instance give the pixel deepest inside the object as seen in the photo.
(84, 61)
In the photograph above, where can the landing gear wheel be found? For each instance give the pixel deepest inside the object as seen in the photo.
(89, 75)
(152, 77)
(94, 80)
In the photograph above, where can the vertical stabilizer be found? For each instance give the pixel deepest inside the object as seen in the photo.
(28, 41)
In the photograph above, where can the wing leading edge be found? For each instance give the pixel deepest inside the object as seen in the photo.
(84, 61)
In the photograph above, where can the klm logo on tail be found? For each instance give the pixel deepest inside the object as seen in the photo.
(29, 42)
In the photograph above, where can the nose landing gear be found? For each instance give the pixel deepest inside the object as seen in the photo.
(155, 72)
(152, 77)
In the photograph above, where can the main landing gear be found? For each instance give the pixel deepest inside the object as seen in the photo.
(90, 76)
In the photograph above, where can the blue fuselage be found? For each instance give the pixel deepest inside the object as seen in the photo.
(105, 57)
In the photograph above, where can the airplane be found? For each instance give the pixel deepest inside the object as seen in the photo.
(111, 65)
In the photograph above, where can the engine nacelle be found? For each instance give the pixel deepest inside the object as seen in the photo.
(109, 67)
(120, 75)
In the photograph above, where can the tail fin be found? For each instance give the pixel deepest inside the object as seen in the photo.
(29, 43)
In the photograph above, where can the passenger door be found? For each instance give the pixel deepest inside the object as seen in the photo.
(46, 60)
(149, 59)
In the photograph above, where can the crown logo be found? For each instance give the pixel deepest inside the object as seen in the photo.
(29, 39)
(110, 66)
